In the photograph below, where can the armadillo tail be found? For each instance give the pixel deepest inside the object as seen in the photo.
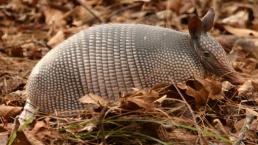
(27, 115)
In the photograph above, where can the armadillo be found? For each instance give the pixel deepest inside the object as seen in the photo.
(110, 59)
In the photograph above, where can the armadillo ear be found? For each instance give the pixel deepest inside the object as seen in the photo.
(195, 27)
(208, 19)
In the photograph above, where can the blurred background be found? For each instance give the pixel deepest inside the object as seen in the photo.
(30, 28)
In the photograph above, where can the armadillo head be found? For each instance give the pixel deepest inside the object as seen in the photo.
(210, 52)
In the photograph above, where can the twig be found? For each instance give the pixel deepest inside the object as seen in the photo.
(41, 43)
(220, 126)
(124, 9)
(192, 112)
(101, 126)
(248, 121)
(90, 11)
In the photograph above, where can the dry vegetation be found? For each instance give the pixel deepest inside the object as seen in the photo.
(200, 111)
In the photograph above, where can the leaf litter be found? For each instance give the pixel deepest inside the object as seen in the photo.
(198, 111)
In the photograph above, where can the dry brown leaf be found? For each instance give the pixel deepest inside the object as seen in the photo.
(136, 103)
(249, 65)
(247, 44)
(4, 138)
(255, 84)
(41, 131)
(164, 14)
(19, 19)
(74, 30)
(245, 51)
(54, 16)
(255, 124)
(31, 51)
(140, 98)
(251, 111)
(241, 32)
(256, 100)
(182, 85)
(131, 1)
(9, 111)
(23, 138)
(16, 5)
(251, 132)
(81, 16)
(239, 124)
(181, 134)
(246, 88)
(227, 86)
(214, 88)
(233, 20)
(56, 39)
(174, 5)
(255, 24)
(202, 90)
(38, 126)
(200, 96)
(221, 128)
(93, 99)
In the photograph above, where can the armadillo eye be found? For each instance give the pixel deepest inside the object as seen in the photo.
(206, 54)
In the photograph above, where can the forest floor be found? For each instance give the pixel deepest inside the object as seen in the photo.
(199, 111)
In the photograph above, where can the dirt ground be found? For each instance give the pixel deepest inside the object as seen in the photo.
(212, 111)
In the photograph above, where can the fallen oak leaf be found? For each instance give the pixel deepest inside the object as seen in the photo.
(202, 90)
(149, 95)
(136, 103)
(214, 88)
(40, 132)
(200, 96)
(9, 111)
(140, 98)
(194, 89)
(93, 99)
(241, 32)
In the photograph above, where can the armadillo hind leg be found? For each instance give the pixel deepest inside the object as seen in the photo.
(28, 112)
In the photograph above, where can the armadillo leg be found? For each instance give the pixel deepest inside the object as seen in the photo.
(28, 112)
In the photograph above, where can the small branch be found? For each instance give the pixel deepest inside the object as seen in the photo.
(124, 9)
(192, 112)
(218, 122)
(248, 121)
(90, 11)
(100, 124)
